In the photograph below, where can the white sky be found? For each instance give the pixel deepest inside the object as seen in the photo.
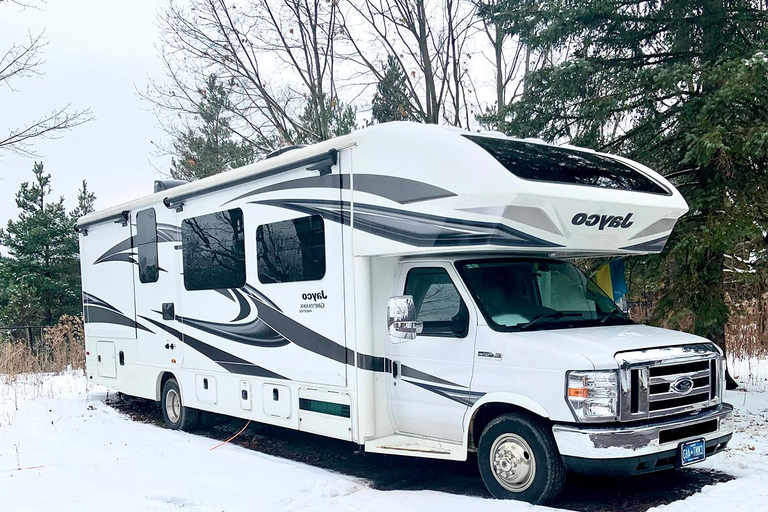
(99, 53)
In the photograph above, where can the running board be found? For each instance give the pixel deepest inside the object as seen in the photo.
(416, 447)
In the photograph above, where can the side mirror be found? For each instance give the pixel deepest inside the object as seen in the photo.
(401, 319)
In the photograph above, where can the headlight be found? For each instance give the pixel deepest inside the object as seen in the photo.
(593, 396)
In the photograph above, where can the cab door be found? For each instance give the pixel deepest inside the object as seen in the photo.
(430, 376)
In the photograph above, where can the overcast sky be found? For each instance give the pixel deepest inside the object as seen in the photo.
(99, 52)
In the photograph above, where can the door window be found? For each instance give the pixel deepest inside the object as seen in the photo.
(146, 242)
(438, 303)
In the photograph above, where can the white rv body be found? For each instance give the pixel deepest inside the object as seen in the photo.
(316, 355)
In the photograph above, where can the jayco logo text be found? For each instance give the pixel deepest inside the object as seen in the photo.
(603, 221)
(314, 296)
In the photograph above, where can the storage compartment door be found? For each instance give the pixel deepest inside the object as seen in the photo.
(107, 363)
(276, 400)
(246, 399)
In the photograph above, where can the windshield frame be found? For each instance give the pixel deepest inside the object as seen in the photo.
(566, 322)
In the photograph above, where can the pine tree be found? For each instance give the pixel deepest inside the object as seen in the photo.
(42, 269)
(209, 148)
(679, 85)
(390, 101)
(341, 120)
(85, 202)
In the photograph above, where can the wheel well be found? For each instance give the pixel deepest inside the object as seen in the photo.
(161, 380)
(487, 412)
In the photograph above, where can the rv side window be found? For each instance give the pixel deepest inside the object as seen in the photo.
(438, 303)
(213, 251)
(146, 242)
(291, 250)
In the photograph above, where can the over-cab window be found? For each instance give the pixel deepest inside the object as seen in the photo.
(213, 251)
(146, 246)
(543, 162)
(291, 250)
(438, 303)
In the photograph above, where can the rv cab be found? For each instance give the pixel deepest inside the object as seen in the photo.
(410, 289)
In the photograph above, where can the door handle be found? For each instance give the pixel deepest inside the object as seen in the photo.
(395, 369)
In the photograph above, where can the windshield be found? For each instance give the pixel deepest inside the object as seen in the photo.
(517, 295)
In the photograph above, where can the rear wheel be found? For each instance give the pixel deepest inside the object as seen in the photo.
(518, 459)
(175, 414)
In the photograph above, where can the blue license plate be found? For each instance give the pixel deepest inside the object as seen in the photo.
(692, 451)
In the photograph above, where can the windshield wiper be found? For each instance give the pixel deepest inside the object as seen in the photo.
(554, 315)
(612, 313)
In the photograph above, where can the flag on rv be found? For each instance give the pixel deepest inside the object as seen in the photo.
(610, 278)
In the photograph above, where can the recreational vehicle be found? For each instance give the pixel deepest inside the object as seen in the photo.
(408, 288)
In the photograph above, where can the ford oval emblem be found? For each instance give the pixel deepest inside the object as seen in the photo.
(682, 385)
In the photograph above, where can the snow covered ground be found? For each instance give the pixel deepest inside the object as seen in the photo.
(62, 448)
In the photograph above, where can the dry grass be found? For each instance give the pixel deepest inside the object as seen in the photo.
(62, 346)
(747, 332)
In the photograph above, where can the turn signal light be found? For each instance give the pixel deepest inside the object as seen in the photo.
(173, 361)
(578, 392)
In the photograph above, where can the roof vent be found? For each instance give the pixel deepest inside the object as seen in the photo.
(286, 149)
(161, 185)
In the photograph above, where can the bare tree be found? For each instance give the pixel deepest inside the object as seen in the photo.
(24, 60)
(427, 40)
(278, 57)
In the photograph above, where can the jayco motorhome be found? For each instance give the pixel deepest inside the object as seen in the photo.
(406, 288)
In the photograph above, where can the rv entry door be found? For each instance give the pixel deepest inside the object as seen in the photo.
(430, 376)
(156, 242)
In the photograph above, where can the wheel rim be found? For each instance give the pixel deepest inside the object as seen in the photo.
(512, 462)
(173, 405)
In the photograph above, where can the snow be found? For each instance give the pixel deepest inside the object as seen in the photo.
(62, 448)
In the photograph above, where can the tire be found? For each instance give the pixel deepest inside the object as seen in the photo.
(518, 459)
(176, 416)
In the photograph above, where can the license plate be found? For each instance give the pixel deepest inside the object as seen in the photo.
(692, 451)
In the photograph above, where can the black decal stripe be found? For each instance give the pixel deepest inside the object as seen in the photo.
(371, 363)
(412, 228)
(245, 307)
(229, 362)
(399, 190)
(168, 233)
(117, 248)
(225, 292)
(100, 315)
(412, 373)
(257, 295)
(256, 333)
(652, 246)
(304, 337)
(92, 300)
(464, 397)
(126, 257)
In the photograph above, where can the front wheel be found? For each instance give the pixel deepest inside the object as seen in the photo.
(176, 416)
(518, 459)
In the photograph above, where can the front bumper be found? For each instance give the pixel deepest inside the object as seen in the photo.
(643, 447)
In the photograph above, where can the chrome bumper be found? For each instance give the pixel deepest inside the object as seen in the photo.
(595, 442)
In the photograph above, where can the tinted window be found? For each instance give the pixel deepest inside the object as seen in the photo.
(541, 162)
(438, 303)
(146, 243)
(291, 250)
(213, 250)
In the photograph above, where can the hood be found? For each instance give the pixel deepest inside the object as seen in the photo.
(600, 344)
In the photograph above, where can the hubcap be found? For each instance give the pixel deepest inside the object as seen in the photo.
(512, 462)
(173, 405)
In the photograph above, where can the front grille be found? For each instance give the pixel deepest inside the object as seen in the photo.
(669, 380)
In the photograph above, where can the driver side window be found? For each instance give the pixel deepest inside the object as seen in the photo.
(438, 303)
